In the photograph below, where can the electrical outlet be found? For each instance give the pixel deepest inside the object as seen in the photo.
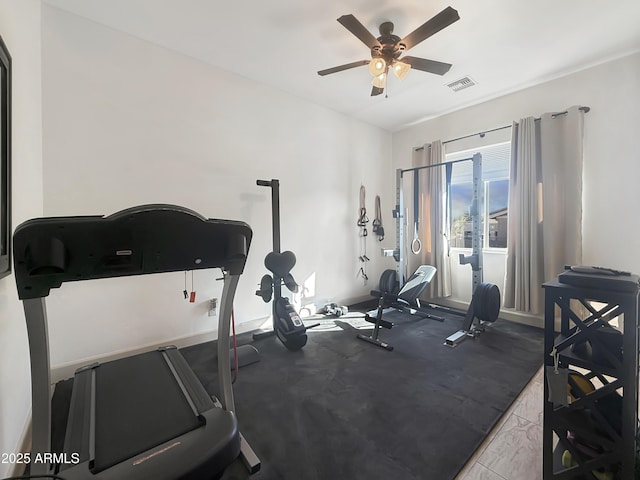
(213, 307)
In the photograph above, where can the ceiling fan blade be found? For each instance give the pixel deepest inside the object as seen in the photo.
(346, 66)
(425, 65)
(445, 18)
(376, 91)
(352, 24)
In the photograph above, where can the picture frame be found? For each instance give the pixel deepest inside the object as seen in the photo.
(5, 160)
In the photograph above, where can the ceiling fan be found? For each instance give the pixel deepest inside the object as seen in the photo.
(387, 49)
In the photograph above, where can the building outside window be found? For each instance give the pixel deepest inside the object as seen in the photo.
(494, 195)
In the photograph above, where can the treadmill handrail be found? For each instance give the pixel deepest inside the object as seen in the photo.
(141, 240)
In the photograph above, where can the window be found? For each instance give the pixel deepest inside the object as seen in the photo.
(494, 195)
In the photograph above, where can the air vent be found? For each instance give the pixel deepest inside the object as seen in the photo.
(461, 84)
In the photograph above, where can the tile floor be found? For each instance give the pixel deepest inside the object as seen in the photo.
(513, 449)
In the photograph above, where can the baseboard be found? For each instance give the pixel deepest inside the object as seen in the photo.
(317, 306)
(67, 370)
(523, 318)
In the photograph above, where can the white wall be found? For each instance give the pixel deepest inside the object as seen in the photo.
(611, 170)
(123, 122)
(20, 30)
(127, 122)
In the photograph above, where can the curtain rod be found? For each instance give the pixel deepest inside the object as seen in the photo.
(482, 134)
(422, 167)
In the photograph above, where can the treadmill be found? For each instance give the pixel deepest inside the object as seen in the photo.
(146, 416)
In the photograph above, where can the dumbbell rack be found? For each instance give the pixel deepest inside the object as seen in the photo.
(617, 447)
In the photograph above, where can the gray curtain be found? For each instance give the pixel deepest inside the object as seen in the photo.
(432, 228)
(545, 205)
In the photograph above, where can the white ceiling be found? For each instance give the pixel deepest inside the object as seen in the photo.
(504, 45)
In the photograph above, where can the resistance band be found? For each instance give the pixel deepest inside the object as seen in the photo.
(362, 223)
(377, 222)
(416, 244)
(363, 219)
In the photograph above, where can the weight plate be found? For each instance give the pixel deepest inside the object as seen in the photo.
(388, 281)
(477, 302)
(290, 283)
(266, 288)
(582, 384)
(487, 303)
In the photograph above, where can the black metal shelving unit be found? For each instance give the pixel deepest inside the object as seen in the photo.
(606, 416)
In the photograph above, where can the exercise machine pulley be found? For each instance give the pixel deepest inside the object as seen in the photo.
(287, 324)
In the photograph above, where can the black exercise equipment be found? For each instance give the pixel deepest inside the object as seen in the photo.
(144, 416)
(485, 300)
(406, 300)
(378, 229)
(485, 297)
(378, 322)
(399, 214)
(484, 308)
(287, 324)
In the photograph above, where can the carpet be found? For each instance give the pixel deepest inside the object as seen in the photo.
(341, 408)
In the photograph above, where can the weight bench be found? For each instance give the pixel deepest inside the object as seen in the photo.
(406, 300)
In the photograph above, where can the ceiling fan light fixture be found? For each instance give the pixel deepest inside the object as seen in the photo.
(401, 69)
(379, 81)
(377, 65)
(386, 50)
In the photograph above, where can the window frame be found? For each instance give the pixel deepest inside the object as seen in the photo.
(5, 160)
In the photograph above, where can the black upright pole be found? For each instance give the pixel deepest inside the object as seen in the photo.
(275, 209)
(275, 205)
(275, 213)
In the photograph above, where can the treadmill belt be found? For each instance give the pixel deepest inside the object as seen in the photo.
(139, 405)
